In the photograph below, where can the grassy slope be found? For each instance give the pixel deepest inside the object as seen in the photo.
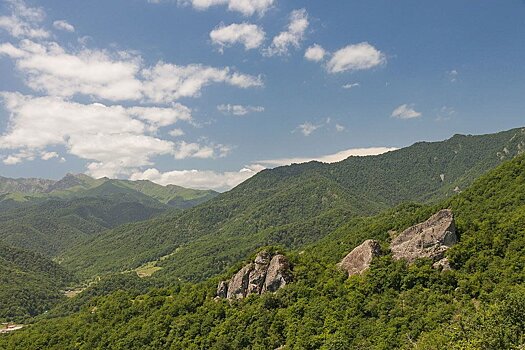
(293, 206)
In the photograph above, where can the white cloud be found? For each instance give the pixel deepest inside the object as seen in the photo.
(330, 158)
(166, 82)
(308, 128)
(200, 179)
(246, 7)
(350, 85)
(48, 155)
(315, 53)
(355, 57)
(24, 21)
(49, 68)
(339, 128)
(405, 111)
(63, 25)
(292, 37)
(239, 110)
(249, 35)
(159, 117)
(115, 139)
(176, 132)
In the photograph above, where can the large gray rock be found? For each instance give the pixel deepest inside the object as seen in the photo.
(360, 258)
(429, 239)
(258, 275)
(278, 274)
(265, 274)
(238, 284)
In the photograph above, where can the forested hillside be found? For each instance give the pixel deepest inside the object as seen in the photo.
(15, 191)
(479, 304)
(29, 283)
(293, 206)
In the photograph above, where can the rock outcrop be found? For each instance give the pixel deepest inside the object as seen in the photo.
(360, 258)
(266, 274)
(429, 239)
(278, 274)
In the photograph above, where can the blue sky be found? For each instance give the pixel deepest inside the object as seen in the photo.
(205, 93)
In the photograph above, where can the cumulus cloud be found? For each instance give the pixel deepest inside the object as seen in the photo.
(63, 25)
(405, 111)
(199, 179)
(246, 7)
(330, 158)
(315, 53)
(176, 132)
(115, 139)
(292, 37)
(166, 82)
(360, 56)
(48, 155)
(24, 21)
(238, 110)
(49, 68)
(249, 35)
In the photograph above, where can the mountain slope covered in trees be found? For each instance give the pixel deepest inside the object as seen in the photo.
(478, 305)
(293, 206)
(29, 283)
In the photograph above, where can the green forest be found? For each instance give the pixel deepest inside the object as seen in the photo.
(479, 304)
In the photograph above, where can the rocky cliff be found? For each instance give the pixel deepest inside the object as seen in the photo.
(429, 239)
(266, 274)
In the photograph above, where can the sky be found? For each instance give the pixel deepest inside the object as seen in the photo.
(206, 93)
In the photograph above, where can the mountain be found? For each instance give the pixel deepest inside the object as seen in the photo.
(29, 283)
(49, 217)
(292, 206)
(479, 304)
(14, 191)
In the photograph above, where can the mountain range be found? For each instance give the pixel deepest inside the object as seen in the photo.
(315, 214)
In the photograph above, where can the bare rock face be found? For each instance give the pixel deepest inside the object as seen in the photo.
(265, 274)
(359, 259)
(429, 239)
(238, 284)
(222, 289)
(258, 275)
(278, 274)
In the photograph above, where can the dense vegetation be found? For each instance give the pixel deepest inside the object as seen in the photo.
(478, 305)
(29, 283)
(52, 226)
(292, 206)
(48, 217)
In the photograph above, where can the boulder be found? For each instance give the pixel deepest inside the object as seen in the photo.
(265, 274)
(359, 259)
(278, 274)
(429, 239)
(258, 275)
(238, 284)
